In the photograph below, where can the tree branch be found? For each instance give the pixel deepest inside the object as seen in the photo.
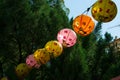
(18, 41)
(1, 70)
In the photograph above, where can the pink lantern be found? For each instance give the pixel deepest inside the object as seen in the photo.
(67, 37)
(31, 62)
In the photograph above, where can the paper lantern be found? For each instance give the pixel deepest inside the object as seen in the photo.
(83, 25)
(4, 78)
(31, 62)
(54, 47)
(22, 70)
(67, 37)
(104, 10)
(41, 56)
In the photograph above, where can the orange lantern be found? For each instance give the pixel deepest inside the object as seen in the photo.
(83, 25)
(104, 10)
(41, 56)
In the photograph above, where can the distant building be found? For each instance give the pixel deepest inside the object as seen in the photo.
(116, 78)
(115, 45)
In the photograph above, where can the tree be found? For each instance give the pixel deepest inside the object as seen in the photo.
(28, 25)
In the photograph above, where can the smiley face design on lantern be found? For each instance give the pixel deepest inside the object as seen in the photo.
(67, 37)
(41, 56)
(31, 62)
(83, 25)
(54, 48)
(104, 10)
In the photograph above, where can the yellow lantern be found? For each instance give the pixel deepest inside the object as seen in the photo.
(41, 56)
(54, 47)
(83, 25)
(22, 70)
(4, 78)
(104, 10)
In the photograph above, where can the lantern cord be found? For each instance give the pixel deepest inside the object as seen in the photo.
(114, 26)
(86, 11)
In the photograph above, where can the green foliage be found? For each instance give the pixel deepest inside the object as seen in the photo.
(27, 25)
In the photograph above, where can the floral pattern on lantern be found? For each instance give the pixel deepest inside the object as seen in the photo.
(67, 37)
(41, 56)
(31, 62)
(104, 10)
(83, 25)
(22, 70)
(54, 47)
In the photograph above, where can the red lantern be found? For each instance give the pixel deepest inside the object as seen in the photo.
(83, 25)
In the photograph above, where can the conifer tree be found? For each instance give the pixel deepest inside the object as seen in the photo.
(27, 25)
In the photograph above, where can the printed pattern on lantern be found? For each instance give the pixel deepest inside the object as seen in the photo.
(83, 25)
(67, 37)
(41, 56)
(22, 70)
(31, 62)
(104, 11)
(54, 48)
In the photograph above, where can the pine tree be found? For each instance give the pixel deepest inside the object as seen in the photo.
(26, 26)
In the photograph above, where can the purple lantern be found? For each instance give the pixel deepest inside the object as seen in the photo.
(31, 62)
(67, 37)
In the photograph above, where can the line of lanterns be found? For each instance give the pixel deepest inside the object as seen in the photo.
(102, 11)
(52, 49)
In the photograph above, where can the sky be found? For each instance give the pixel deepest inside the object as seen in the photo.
(77, 7)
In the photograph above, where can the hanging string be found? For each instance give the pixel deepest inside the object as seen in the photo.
(87, 10)
(114, 26)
